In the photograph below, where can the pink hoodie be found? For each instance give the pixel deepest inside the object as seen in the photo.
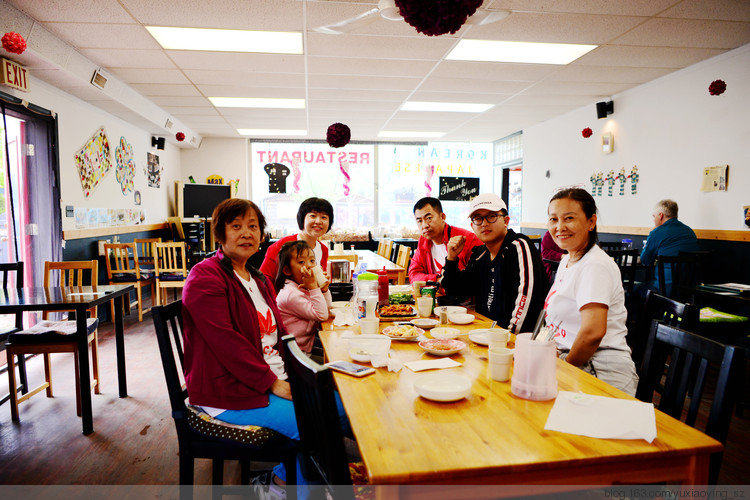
(302, 310)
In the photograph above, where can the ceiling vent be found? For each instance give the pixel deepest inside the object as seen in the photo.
(99, 80)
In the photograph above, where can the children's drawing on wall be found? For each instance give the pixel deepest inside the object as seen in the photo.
(153, 171)
(634, 180)
(277, 174)
(93, 161)
(125, 165)
(622, 178)
(610, 182)
(137, 197)
(746, 209)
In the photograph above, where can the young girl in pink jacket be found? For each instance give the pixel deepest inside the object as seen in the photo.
(302, 303)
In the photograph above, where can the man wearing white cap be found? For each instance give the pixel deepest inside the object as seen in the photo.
(505, 276)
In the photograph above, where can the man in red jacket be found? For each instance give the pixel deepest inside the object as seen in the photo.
(429, 258)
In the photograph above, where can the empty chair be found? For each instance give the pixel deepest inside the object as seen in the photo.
(123, 268)
(8, 270)
(627, 261)
(321, 438)
(690, 357)
(610, 245)
(170, 267)
(404, 256)
(145, 250)
(659, 308)
(62, 337)
(676, 273)
(198, 434)
(552, 266)
(384, 247)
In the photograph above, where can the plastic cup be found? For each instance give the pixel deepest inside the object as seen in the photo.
(424, 306)
(500, 361)
(535, 371)
(320, 277)
(497, 338)
(369, 326)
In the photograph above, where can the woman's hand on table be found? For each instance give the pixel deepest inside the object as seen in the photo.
(282, 389)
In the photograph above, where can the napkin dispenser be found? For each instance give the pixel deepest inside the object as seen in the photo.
(340, 271)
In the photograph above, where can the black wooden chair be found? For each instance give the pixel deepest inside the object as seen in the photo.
(690, 357)
(551, 266)
(627, 261)
(321, 438)
(610, 245)
(684, 270)
(199, 435)
(659, 308)
(6, 269)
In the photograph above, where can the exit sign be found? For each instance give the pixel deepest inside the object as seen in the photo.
(14, 75)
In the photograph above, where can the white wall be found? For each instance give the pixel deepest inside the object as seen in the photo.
(671, 128)
(218, 156)
(77, 122)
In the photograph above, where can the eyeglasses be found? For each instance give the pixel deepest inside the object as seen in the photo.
(477, 220)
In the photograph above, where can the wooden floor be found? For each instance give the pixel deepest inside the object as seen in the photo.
(134, 440)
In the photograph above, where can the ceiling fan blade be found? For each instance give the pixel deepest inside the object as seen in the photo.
(482, 17)
(350, 24)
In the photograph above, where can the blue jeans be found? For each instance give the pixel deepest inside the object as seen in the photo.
(279, 415)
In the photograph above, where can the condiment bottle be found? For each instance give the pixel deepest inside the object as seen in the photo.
(443, 317)
(367, 295)
(382, 287)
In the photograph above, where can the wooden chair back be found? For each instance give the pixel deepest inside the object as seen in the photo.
(404, 256)
(71, 274)
(676, 273)
(12, 273)
(170, 266)
(384, 247)
(627, 261)
(122, 262)
(610, 245)
(690, 357)
(321, 438)
(145, 251)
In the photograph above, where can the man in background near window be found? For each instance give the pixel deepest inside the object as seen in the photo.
(505, 276)
(429, 258)
(669, 237)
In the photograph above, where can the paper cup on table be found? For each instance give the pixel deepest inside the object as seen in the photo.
(417, 288)
(320, 277)
(497, 338)
(369, 326)
(424, 306)
(338, 248)
(500, 361)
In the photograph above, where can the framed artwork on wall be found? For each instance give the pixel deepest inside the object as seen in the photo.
(608, 143)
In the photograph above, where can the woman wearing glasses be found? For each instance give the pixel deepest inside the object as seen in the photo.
(586, 304)
(505, 276)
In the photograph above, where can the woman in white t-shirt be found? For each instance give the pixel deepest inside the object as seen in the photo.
(586, 304)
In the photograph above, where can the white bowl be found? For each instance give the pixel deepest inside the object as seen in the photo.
(442, 347)
(364, 347)
(341, 304)
(461, 318)
(424, 323)
(445, 333)
(450, 309)
(443, 387)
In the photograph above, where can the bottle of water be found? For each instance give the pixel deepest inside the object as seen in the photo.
(367, 295)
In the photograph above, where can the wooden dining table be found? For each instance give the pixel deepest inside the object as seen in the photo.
(493, 437)
(376, 262)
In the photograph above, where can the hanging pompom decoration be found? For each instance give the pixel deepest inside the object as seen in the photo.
(179, 136)
(13, 42)
(338, 135)
(344, 165)
(586, 133)
(437, 17)
(297, 174)
(717, 87)
(428, 172)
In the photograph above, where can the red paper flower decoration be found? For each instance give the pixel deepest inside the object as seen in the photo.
(717, 87)
(179, 136)
(338, 135)
(437, 17)
(586, 133)
(13, 42)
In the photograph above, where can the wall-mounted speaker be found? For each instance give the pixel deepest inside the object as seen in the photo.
(158, 142)
(604, 109)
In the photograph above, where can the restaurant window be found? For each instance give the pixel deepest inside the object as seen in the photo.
(508, 175)
(285, 173)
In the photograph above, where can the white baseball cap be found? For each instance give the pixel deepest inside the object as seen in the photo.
(487, 201)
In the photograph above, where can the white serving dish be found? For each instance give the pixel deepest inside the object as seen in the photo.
(450, 310)
(443, 387)
(424, 323)
(364, 347)
(434, 346)
(444, 333)
(480, 336)
(461, 318)
(389, 333)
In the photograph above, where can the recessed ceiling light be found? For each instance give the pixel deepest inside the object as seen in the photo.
(256, 102)
(458, 107)
(518, 52)
(404, 134)
(265, 131)
(274, 42)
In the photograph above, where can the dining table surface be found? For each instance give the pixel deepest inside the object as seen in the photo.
(375, 262)
(78, 299)
(493, 437)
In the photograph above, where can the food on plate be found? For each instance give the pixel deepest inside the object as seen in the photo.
(397, 310)
(402, 331)
(401, 298)
(442, 345)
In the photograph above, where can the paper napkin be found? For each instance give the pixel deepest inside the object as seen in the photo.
(343, 317)
(430, 364)
(602, 417)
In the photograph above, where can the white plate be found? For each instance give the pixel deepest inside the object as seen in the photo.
(341, 304)
(387, 331)
(453, 345)
(443, 387)
(461, 318)
(424, 323)
(450, 309)
(480, 336)
(445, 333)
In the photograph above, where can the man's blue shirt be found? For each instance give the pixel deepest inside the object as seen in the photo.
(669, 239)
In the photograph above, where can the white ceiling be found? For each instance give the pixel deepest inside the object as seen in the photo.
(362, 78)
